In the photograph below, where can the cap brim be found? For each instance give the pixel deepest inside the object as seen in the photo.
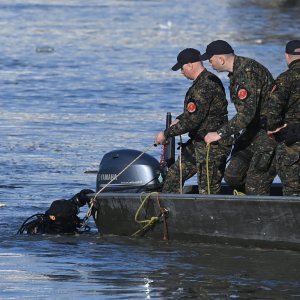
(292, 52)
(176, 67)
(205, 56)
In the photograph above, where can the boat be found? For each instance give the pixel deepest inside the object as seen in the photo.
(264, 221)
(128, 202)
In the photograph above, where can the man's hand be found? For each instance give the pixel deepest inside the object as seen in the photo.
(212, 137)
(160, 138)
(270, 133)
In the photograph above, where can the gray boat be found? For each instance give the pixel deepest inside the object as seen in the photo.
(269, 221)
(128, 202)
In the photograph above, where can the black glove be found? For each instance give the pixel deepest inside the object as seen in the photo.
(81, 198)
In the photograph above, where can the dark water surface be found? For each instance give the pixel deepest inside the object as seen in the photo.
(81, 78)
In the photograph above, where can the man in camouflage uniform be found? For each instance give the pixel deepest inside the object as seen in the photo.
(205, 109)
(250, 169)
(284, 109)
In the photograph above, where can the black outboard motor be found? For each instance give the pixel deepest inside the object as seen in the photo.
(145, 174)
(142, 175)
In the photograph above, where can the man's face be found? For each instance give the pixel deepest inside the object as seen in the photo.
(186, 70)
(287, 59)
(216, 63)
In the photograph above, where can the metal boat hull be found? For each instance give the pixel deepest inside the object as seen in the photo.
(263, 221)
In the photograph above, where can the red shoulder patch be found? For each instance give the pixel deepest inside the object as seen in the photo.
(242, 94)
(191, 107)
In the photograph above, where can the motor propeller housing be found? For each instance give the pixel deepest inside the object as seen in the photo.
(142, 175)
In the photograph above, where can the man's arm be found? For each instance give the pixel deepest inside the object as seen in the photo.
(195, 111)
(249, 95)
(278, 102)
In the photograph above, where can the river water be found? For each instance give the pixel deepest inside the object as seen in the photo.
(81, 78)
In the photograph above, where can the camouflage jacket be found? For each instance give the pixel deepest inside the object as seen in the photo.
(284, 106)
(205, 108)
(250, 87)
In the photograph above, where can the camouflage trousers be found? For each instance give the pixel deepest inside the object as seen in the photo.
(251, 169)
(288, 168)
(193, 160)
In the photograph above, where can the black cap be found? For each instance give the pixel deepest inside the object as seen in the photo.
(292, 46)
(188, 55)
(216, 47)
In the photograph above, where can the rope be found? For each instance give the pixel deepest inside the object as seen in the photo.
(207, 169)
(149, 223)
(237, 193)
(180, 166)
(89, 213)
(162, 161)
(141, 206)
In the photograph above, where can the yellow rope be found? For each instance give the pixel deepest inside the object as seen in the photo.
(141, 206)
(149, 222)
(207, 169)
(237, 193)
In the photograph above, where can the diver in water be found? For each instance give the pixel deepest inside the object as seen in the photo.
(61, 217)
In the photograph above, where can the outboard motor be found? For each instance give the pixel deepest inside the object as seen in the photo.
(142, 175)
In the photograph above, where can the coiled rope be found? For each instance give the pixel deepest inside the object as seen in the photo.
(149, 223)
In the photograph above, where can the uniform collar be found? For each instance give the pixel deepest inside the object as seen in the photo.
(294, 63)
(199, 76)
(236, 64)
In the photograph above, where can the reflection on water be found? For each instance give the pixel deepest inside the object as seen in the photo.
(115, 267)
(79, 79)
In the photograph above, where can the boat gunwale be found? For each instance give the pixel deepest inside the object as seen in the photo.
(202, 197)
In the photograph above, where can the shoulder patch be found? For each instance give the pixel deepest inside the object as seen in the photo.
(242, 94)
(191, 107)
